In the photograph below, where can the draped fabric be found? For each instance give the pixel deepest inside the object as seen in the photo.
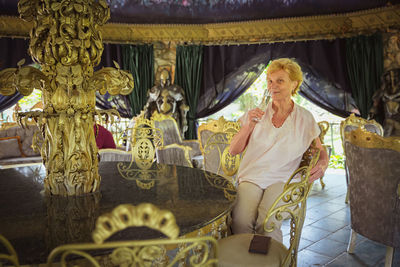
(128, 57)
(188, 73)
(139, 60)
(111, 53)
(364, 56)
(13, 50)
(228, 71)
(9, 101)
(323, 62)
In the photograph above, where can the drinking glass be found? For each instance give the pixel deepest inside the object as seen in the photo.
(264, 102)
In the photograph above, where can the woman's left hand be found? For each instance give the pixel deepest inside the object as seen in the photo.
(317, 172)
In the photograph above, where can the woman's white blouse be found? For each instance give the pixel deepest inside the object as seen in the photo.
(273, 154)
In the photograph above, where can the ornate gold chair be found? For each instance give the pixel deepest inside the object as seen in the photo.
(195, 251)
(374, 183)
(351, 123)
(144, 141)
(291, 203)
(324, 127)
(11, 256)
(216, 136)
(175, 150)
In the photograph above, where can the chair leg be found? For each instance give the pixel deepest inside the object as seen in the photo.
(352, 242)
(346, 171)
(389, 256)
(322, 182)
(347, 196)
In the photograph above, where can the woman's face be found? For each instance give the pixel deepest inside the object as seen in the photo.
(280, 85)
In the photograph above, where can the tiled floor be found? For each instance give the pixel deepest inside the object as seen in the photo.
(326, 230)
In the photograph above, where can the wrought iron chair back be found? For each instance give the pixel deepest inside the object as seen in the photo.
(11, 256)
(291, 203)
(145, 139)
(294, 197)
(217, 158)
(324, 127)
(196, 251)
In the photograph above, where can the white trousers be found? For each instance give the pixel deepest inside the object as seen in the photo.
(251, 207)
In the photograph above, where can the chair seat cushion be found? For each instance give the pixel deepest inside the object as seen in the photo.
(233, 251)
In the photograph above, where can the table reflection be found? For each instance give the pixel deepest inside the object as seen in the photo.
(35, 223)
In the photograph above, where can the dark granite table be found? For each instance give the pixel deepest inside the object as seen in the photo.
(35, 223)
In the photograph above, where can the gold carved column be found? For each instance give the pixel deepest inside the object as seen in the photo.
(66, 42)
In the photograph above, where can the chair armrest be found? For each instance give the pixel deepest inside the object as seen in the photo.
(174, 154)
(195, 145)
(111, 154)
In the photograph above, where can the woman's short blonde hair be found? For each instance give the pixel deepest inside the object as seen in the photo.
(291, 67)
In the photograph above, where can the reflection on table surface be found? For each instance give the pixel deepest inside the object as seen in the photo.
(35, 223)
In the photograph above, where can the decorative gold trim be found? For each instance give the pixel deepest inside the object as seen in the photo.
(324, 127)
(292, 204)
(192, 251)
(259, 31)
(358, 122)
(363, 138)
(126, 215)
(217, 126)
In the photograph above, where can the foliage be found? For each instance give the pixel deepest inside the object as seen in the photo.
(28, 101)
(336, 161)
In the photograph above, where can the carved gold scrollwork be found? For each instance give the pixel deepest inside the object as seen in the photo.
(363, 138)
(194, 251)
(127, 215)
(230, 163)
(65, 40)
(144, 175)
(222, 183)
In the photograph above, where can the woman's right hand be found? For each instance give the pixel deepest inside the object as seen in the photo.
(254, 116)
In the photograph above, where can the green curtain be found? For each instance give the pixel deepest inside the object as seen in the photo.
(138, 59)
(364, 58)
(188, 75)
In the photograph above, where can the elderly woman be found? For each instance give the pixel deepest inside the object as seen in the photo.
(276, 139)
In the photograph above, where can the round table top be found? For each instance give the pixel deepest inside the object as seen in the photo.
(35, 223)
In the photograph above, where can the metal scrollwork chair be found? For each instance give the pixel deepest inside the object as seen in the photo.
(291, 203)
(197, 251)
(324, 127)
(374, 183)
(351, 123)
(11, 256)
(145, 140)
(174, 150)
(216, 137)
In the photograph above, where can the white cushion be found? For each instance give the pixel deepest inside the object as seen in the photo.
(233, 251)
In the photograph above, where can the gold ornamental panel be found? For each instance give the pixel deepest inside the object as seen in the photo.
(66, 42)
(364, 138)
(259, 31)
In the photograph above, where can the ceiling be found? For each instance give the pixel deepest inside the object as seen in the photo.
(218, 22)
(216, 11)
